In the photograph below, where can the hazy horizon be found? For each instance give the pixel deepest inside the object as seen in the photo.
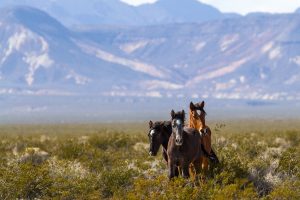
(242, 7)
(125, 63)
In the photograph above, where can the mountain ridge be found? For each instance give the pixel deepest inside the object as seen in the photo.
(115, 12)
(247, 57)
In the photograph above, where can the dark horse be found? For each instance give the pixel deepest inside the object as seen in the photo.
(184, 146)
(159, 134)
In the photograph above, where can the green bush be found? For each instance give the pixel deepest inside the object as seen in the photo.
(289, 190)
(116, 182)
(24, 181)
(289, 162)
(85, 163)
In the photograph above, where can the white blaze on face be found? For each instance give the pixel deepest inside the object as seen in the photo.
(178, 122)
(152, 132)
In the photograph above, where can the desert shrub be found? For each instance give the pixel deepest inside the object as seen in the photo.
(161, 188)
(74, 187)
(70, 149)
(147, 188)
(287, 190)
(96, 160)
(231, 167)
(289, 162)
(52, 179)
(92, 164)
(234, 191)
(293, 137)
(116, 182)
(112, 140)
(24, 181)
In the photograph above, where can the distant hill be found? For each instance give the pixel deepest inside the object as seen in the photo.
(254, 57)
(115, 12)
(170, 11)
(39, 53)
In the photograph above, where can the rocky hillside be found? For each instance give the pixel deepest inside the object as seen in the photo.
(254, 57)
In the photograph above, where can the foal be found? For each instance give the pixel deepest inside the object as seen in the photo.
(184, 146)
(198, 121)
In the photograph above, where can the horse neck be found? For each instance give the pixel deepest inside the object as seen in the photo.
(192, 121)
(202, 120)
(197, 123)
(167, 131)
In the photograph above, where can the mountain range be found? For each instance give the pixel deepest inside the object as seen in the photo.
(251, 58)
(118, 13)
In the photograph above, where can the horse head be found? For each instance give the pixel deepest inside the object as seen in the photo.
(193, 111)
(178, 119)
(155, 137)
(197, 120)
(200, 106)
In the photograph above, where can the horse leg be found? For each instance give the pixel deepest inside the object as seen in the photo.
(206, 142)
(197, 167)
(205, 164)
(177, 171)
(201, 162)
(192, 171)
(185, 170)
(202, 168)
(171, 169)
(165, 155)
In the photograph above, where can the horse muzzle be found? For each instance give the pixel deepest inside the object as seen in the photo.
(178, 142)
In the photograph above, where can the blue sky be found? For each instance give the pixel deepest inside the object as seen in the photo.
(243, 6)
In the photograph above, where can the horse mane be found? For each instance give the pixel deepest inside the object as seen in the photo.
(202, 110)
(164, 124)
(178, 115)
(161, 123)
(191, 119)
(198, 106)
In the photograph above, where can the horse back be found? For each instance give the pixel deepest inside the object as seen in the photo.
(192, 137)
(192, 132)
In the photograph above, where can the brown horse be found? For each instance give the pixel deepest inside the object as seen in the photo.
(197, 121)
(184, 146)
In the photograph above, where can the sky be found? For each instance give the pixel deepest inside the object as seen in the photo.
(243, 6)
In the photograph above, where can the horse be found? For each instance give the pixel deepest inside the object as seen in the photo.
(159, 134)
(197, 121)
(184, 146)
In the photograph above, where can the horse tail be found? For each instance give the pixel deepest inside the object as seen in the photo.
(212, 156)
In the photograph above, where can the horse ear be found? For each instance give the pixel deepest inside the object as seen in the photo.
(183, 115)
(173, 114)
(150, 124)
(202, 107)
(202, 104)
(192, 106)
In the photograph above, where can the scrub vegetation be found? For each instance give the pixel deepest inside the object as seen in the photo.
(258, 160)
